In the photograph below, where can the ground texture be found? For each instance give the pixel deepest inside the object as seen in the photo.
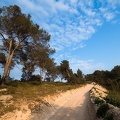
(71, 105)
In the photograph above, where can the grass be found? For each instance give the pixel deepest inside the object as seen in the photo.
(6, 108)
(113, 98)
(25, 90)
(33, 92)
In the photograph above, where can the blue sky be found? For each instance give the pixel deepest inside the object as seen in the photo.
(84, 32)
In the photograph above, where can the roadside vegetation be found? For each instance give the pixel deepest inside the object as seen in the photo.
(101, 112)
(23, 42)
(113, 98)
(27, 91)
(111, 81)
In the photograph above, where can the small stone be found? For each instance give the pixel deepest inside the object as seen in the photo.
(3, 90)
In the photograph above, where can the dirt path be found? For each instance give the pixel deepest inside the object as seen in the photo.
(70, 106)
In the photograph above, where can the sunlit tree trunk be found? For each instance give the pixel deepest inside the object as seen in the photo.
(8, 61)
(7, 67)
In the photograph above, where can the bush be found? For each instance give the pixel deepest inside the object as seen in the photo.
(101, 112)
(98, 101)
(109, 117)
(112, 101)
(13, 83)
(34, 82)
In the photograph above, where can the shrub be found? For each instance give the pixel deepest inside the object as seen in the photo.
(34, 82)
(98, 101)
(101, 112)
(112, 101)
(13, 83)
(109, 117)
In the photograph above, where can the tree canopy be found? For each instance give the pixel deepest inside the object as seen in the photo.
(20, 38)
(110, 79)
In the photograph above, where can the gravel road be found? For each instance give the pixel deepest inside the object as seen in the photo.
(70, 106)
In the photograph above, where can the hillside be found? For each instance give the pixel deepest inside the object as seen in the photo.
(19, 98)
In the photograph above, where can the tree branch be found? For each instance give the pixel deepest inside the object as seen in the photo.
(4, 38)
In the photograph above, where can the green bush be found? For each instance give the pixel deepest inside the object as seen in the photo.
(98, 101)
(13, 83)
(109, 117)
(34, 82)
(101, 112)
(113, 101)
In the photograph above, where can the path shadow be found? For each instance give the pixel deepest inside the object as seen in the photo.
(85, 111)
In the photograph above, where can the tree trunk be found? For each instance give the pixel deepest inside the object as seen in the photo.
(7, 66)
(40, 76)
(45, 77)
(69, 81)
(9, 60)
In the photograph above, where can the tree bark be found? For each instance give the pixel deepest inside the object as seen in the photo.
(9, 60)
(40, 78)
(7, 66)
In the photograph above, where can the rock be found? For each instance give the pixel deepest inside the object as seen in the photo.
(40, 107)
(3, 90)
(5, 97)
(114, 111)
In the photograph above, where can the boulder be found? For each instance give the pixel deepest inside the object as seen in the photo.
(3, 90)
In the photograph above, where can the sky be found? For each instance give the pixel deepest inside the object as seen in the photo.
(84, 32)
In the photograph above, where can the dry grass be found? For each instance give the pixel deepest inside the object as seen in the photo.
(29, 91)
(24, 91)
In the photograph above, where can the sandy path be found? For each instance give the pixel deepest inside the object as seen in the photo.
(70, 106)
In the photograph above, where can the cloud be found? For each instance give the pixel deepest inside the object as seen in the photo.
(87, 66)
(76, 46)
(61, 6)
(86, 6)
(114, 3)
(59, 19)
(70, 23)
(109, 16)
(75, 62)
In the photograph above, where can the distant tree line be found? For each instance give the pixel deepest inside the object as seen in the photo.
(110, 79)
(25, 43)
